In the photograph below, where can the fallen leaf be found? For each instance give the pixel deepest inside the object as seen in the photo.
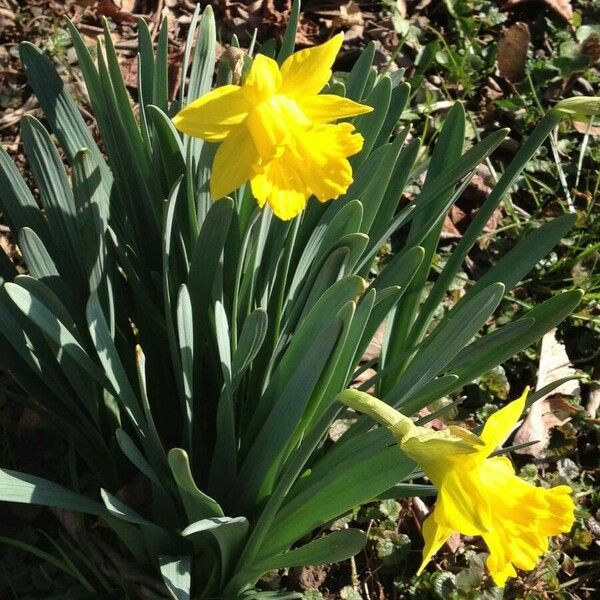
(127, 5)
(552, 410)
(584, 127)
(349, 16)
(453, 219)
(590, 47)
(562, 8)
(593, 403)
(512, 52)
(109, 9)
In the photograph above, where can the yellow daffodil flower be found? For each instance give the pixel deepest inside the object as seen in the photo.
(278, 133)
(478, 494)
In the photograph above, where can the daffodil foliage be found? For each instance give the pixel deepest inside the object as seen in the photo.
(478, 494)
(278, 132)
(190, 344)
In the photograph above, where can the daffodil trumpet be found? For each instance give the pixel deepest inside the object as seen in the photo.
(477, 494)
(278, 132)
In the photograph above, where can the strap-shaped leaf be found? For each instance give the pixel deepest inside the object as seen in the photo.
(229, 534)
(458, 327)
(370, 124)
(288, 398)
(197, 504)
(92, 206)
(332, 548)
(59, 108)
(357, 79)
(289, 37)
(55, 192)
(27, 489)
(350, 484)
(19, 206)
(58, 332)
(177, 575)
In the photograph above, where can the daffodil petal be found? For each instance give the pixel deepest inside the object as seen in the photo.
(500, 424)
(264, 79)
(306, 72)
(261, 187)
(234, 163)
(461, 505)
(434, 535)
(322, 163)
(328, 107)
(213, 116)
(498, 563)
(281, 188)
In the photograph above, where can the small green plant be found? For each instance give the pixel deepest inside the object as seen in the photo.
(195, 348)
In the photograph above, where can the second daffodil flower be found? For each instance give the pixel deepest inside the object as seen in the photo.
(478, 494)
(277, 132)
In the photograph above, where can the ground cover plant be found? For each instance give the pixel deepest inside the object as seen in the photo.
(205, 280)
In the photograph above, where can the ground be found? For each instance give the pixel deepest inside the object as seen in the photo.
(508, 61)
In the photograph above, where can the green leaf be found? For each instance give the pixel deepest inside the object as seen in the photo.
(520, 259)
(41, 266)
(502, 187)
(59, 108)
(111, 361)
(204, 265)
(288, 396)
(229, 534)
(55, 193)
(327, 495)
(27, 489)
(168, 144)
(357, 79)
(251, 339)
(160, 80)
(458, 327)
(55, 329)
(374, 193)
(185, 330)
(19, 206)
(177, 575)
(370, 125)
(92, 206)
(489, 351)
(120, 510)
(332, 548)
(289, 37)
(197, 504)
(203, 63)
(398, 102)
(132, 452)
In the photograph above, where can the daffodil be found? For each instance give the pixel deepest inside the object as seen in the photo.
(478, 494)
(277, 132)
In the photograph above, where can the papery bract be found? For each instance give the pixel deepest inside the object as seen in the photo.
(278, 133)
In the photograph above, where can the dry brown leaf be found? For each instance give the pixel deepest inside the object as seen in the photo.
(583, 127)
(593, 403)
(551, 410)
(109, 9)
(562, 8)
(512, 52)
(590, 47)
(350, 15)
(455, 217)
(126, 5)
